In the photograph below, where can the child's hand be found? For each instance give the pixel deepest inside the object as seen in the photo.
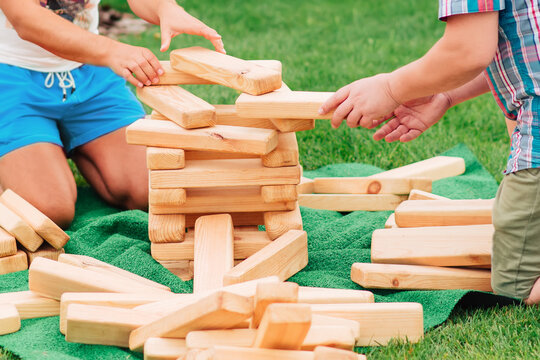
(413, 118)
(126, 60)
(366, 102)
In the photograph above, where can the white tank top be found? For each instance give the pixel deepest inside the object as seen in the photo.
(22, 53)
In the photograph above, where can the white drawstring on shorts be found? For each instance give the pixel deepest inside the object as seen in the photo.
(65, 81)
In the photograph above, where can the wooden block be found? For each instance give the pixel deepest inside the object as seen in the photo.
(368, 185)
(179, 105)
(223, 200)
(249, 228)
(379, 322)
(168, 228)
(315, 295)
(46, 251)
(340, 337)
(306, 186)
(416, 194)
(269, 293)
(331, 353)
(284, 257)
(8, 244)
(166, 197)
(416, 213)
(415, 277)
(323, 320)
(10, 321)
(89, 263)
(209, 338)
(279, 193)
(213, 155)
(165, 158)
(233, 139)
(435, 246)
(31, 305)
(351, 202)
(283, 326)
(40, 223)
(221, 173)
(436, 168)
(278, 223)
(227, 115)
(236, 353)
(13, 263)
(285, 154)
(16, 226)
(293, 125)
(391, 222)
(226, 70)
(246, 243)
(164, 349)
(283, 105)
(239, 218)
(103, 325)
(179, 268)
(219, 310)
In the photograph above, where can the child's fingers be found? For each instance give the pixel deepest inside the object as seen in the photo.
(411, 135)
(336, 99)
(128, 76)
(397, 133)
(154, 63)
(149, 71)
(341, 113)
(354, 118)
(386, 129)
(166, 37)
(140, 74)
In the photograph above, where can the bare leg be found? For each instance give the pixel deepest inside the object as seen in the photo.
(534, 297)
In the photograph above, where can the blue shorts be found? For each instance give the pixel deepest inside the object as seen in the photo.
(30, 112)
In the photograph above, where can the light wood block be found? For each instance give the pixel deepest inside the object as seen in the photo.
(232, 139)
(192, 265)
(330, 353)
(390, 276)
(283, 105)
(416, 194)
(391, 222)
(366, 185)
(13, 263)
(180, 268)
(226, 70)
(293, 125)
(279, 193)
(46, 251)
(227, 115)
(351, 202)
(221, 173)
(31, 305)
(219, 310)
(209, 338)
(435, 246)
(16, 226)
(164, 349)
(40, 223)
(284, 257)
(324, 321)
(236, 353)
(10, 321)
(165, 158)
(168, 228)
(213, 155)
(333, 336)
(417, 213)
(285, 154)
(249, 228)
(269, 293)
(306, 186)
(239, 218)
(279, 222)
(8, 244)
(379, 322)
(315, 295)
(246, 243)
(166, 197)
(435, 168)
(179, 105)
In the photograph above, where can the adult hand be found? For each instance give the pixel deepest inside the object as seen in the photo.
(127, 60)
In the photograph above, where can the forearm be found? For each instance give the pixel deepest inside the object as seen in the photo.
(149, 10)
(472, 89)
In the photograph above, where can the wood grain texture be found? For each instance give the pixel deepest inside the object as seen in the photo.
(166, 197)
(10, 321)
(170, 228)
(306, 186)
(16, 226)
(46, 251)
(205, 339)
(8, 244)
(331, 353)
(279, 193)
(351, 202)
(340, 337)
(365, 185)
(239, 218)
(165, 158)
(270, 293)
(324, 320)
(30, 305)
(435, 168)
(164, 349)
(293, 125)
(13, 263)
(278, 223)
(180, 268)
(237, 352)
(314, 295)
(214, 155)
(227, 115)
(285, 154)
(417, 194)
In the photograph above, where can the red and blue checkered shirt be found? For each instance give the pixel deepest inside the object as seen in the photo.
(514, 73)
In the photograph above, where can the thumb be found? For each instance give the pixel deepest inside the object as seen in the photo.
(166, 37)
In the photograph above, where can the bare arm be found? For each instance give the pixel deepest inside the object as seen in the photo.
(472, 89)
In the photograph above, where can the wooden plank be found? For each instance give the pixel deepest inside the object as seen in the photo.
(315, 295)
(10, 321)
(269, 293)
(227, 115)
(233, 139)
(205, 339)
(306, 186)
(168, 228)
(180, 268)
(293, 125)
(165, 158)
(368, 185)
(391, 222)
(8, 244)
(435, 246)
(246, 243)
(379, 322)
(213, 155)
(222, 173)
(239, 218)
(219, 310)
(285, 154)
(164, 349)
(226, 70)
(284, 257)
(416, 194)
(16, 226)
(415, 277)
(237, 352)
(167, 197)
(278, 223)
(351, 202)
(435, 168)
(323, 320)
(13, 263)
(417, 213)
(330, 353)
(340, 337)
(41, 224)
(278, 193)
(46, 251)
(31, 305)
(179, 105)
(283, 105)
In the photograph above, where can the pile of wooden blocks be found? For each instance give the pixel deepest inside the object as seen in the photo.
(25, 234)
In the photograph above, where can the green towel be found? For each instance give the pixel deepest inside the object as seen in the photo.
(336, 241)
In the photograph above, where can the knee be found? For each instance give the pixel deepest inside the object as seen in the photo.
(60, 211)
(130, 196)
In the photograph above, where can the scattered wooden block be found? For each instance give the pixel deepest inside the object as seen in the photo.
(416, 194)
(226, 70)
(8, 244)
(283, 105)
(306, 186)
(436, 168)
(232, 139)
(314, 295)
(17, 227)
(221, 173)
(10, 321)
(278, 223)
(323, 320)
(417, 213)
(368, 185)
(165, 158)
(283, 326)
(227, 115)
(285, 154)
(239, 218)
(293, 125)
(269, 293)
(219, 310)
(236, 353)
(164, 349)
(31, 305)
(46, 251)
(180, 268)
(279, 193)
(13, 263)
(333, 336)
(40, 223)
(379, 322)
(330, 353)
(391, 222)
(174, 77)
(168, 228)
(179, 105)
(167, 197)
(284, 257)
(390, 276)
(435, 246)
(351, 202)
(206, 339)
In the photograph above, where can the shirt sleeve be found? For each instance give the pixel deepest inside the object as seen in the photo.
(457, 7)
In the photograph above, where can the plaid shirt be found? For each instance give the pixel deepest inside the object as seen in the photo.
(514, 73)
